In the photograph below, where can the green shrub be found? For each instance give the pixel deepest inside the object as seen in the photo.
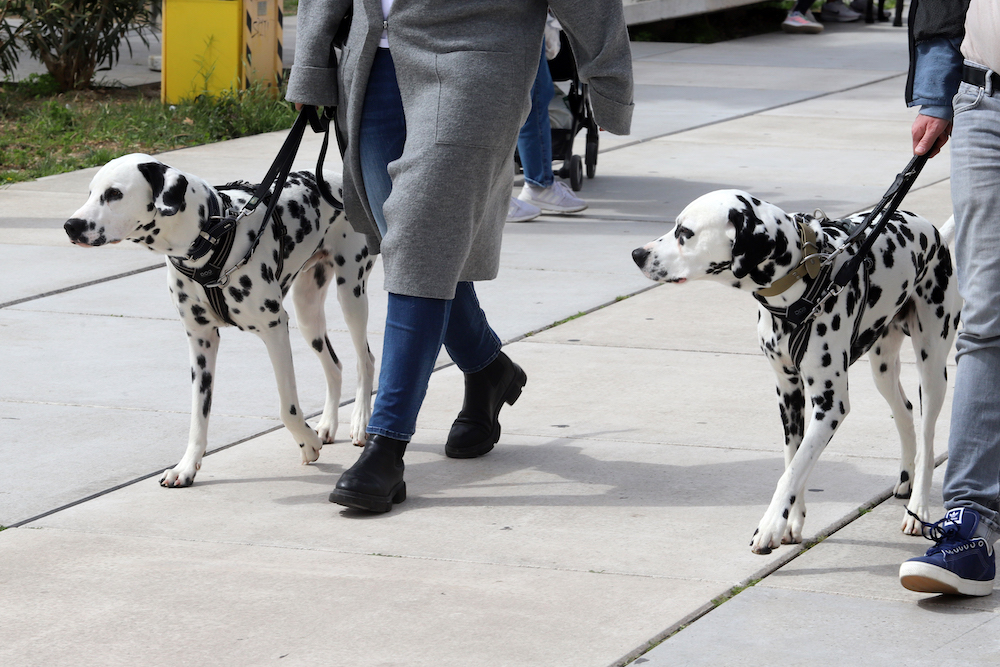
(72, 38)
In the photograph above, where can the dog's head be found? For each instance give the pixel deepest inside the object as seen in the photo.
(723, 235)
(128, 196)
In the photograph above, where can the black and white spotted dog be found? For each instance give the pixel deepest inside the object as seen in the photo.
(905, 288)
(308, 244)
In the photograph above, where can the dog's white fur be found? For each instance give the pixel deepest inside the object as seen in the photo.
(140, 199)
(735, 238)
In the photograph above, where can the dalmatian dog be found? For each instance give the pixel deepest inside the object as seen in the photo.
(904, 288)
(307, 245)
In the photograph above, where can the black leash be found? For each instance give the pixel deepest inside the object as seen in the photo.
(892, 198)
(807, 306)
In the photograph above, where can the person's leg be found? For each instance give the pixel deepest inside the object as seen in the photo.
(534, 142)
(972, 478)
(534, 145)
(962, 559)
(383, 132)
(414, 331)
(491, 378)
(414, 326)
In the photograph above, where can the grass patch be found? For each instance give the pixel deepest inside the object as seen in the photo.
(43, 132)
(733, 592)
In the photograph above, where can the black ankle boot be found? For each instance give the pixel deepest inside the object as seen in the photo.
(375, 481)
(476, 430)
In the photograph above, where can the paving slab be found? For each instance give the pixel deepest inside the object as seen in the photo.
(847, 586)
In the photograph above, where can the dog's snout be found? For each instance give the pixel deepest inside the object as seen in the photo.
(75, 228)
(639, 256)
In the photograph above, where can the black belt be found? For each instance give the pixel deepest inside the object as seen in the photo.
(977, 77)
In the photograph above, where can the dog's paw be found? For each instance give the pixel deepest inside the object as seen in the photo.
(327, 428)
(310, 448)
(359, 424)
(179, 476)
(911, 524)
(769, 534)
(796, 522)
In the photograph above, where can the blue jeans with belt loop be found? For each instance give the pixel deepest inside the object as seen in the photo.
(534, 142)
(415, 327)
(972, 478)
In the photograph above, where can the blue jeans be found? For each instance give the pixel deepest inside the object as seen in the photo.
(415, 327)
(534, 143)
(972, 478)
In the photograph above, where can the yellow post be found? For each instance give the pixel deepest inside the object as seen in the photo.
(214, 45)
(262, 34)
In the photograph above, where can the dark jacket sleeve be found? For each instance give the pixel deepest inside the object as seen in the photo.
(936, 30)
(599, 39)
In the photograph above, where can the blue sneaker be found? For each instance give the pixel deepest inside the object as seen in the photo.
(959, 563)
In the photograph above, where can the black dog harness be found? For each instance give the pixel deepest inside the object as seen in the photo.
(217, 240)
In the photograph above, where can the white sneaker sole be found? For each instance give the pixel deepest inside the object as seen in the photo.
(554, 208)
(927, 578)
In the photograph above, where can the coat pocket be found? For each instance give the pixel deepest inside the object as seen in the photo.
(476, 98)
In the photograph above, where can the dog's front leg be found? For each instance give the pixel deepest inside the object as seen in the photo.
(828, 395)
(279, 349)
(791, 406)
(204, 349)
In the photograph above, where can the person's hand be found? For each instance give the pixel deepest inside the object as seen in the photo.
(298, 106)
(930, 134)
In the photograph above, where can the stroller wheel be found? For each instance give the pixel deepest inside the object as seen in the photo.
(576, 173)
(591, 156)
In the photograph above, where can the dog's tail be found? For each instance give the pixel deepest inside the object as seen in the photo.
(947, 231)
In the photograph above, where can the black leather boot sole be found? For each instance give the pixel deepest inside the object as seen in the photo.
(370, 503)
(375, 481)
(477, 428)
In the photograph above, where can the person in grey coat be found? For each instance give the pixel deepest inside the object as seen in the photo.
(431, 96)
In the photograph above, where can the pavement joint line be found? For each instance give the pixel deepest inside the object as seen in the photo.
(81, 285)
(752, 113)
(763, 573)
(160, 471)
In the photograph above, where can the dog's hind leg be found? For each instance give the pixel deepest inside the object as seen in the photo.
(884, 358)
(309, 296)
(204, 349)
(352, 293)
(279, 350)
(932, 359)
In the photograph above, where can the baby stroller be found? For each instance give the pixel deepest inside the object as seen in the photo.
(563, 69)
(580, 115)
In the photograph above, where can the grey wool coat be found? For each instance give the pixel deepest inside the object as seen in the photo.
(465, 70)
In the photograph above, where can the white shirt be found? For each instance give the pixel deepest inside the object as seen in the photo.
(386, 6)
(982, 34)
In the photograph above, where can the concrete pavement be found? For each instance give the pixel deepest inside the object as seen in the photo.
(616, 510)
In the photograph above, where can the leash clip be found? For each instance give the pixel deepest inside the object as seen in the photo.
(835, 291)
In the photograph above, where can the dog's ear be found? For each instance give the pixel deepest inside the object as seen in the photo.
(751, 242)
(168, 187)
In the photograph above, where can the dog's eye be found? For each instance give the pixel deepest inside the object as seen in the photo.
(682, 234)
(110, 195)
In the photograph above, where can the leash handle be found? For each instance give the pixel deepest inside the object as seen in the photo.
(893, 198)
